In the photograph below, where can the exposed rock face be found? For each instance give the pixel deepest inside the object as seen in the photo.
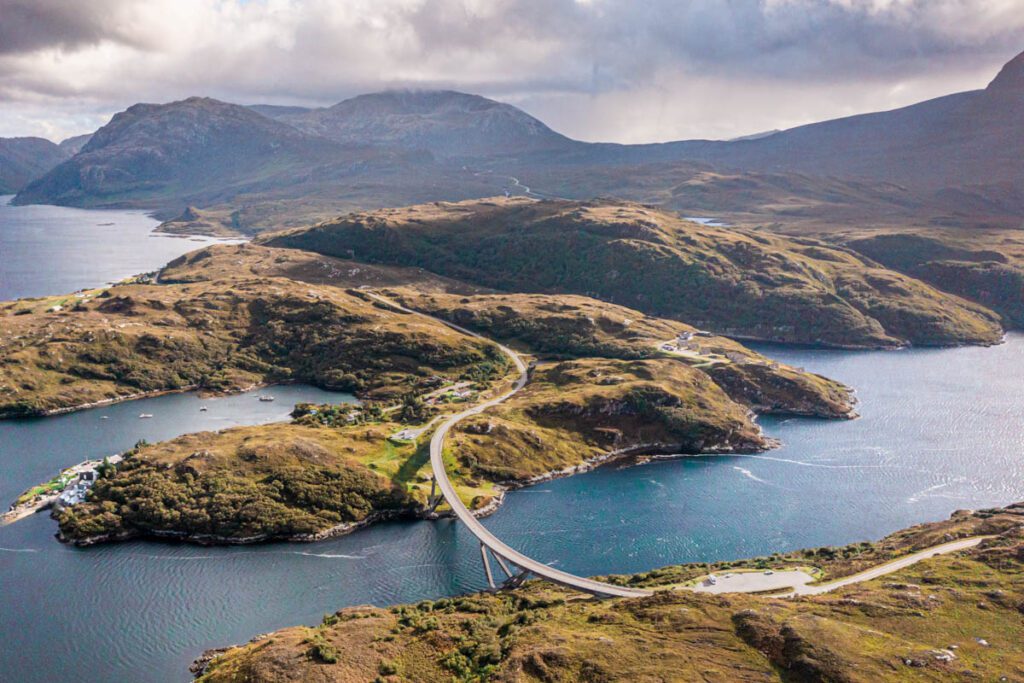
(1010, 80)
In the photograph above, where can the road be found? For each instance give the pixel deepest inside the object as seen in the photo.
(890, 567)
(797, 579)
(485, 537)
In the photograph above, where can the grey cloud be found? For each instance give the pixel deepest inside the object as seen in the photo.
(318, 51)
(29, 25)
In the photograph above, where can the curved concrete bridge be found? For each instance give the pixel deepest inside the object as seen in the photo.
(504, 554)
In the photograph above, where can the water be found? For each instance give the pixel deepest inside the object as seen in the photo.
(941, 430)
(55, 250)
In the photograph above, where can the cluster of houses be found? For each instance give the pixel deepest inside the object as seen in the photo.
(75, 491)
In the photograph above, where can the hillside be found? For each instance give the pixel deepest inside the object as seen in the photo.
(952, 161)
(735, 282)
(23, 159)
(336, 468)
(567, 326)
(197, 150)
(69, 351)
(443, 122)
(986, 268)
(947, 618)
(964, 140)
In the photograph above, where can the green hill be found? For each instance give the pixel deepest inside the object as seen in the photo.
(736, 282)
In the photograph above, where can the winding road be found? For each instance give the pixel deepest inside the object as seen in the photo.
(488, 540)
(504, 553)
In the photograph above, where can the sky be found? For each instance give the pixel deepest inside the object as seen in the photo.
(609, 70)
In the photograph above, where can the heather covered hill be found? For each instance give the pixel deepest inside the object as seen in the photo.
(954, 617)
(736, 282)
(23, 159)
(109, 344)
(567, 326)
(576, 411)
(988, 269)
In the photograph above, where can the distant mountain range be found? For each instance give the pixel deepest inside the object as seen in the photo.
(22, 159)
(955, 160)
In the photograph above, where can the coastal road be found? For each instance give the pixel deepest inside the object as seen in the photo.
(492, 542)
(798, 579)
(890, 567)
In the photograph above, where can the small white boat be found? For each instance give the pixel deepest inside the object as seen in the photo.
(145, 416)
(104, 417)
(202, 409)
(266, 399)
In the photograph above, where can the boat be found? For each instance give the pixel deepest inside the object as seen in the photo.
(202, 409)
(104, 417)
(266, 399)
(143, 416)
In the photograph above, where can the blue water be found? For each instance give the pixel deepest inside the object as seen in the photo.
(56, 250)
(941, 430)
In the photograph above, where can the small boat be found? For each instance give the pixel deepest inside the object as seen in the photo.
(104, 417)
(266, 399)
(202, 409)
(144, 416)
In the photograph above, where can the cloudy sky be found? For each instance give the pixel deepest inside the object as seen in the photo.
(619, 70)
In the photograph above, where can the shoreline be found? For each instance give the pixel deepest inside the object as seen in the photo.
(200, 392)
(654, 450)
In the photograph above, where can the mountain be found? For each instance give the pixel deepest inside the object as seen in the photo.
(73, 145)
(444, 122)
(22, 159)
(955, 161)
(962, 140)
(197, 149)
(740, 283)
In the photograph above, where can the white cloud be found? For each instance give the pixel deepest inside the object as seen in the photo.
(600, 69)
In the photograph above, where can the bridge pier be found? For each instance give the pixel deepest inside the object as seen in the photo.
(501, 563)
(487, 566)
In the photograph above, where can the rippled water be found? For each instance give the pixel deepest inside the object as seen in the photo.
(56, 250)
(941, 429)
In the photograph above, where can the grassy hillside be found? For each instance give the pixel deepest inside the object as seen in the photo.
(987, 268)
(294, 481)
(574, 411)
(733, 281)
(246, 483)
(544, 325)
(948, 618)
(567, 326)
(324, 470)
(69, 351)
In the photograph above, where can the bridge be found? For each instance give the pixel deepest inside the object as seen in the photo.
(489, 543)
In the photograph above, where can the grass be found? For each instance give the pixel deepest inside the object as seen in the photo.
(219, 336)
(890, 629)
(738, 282)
